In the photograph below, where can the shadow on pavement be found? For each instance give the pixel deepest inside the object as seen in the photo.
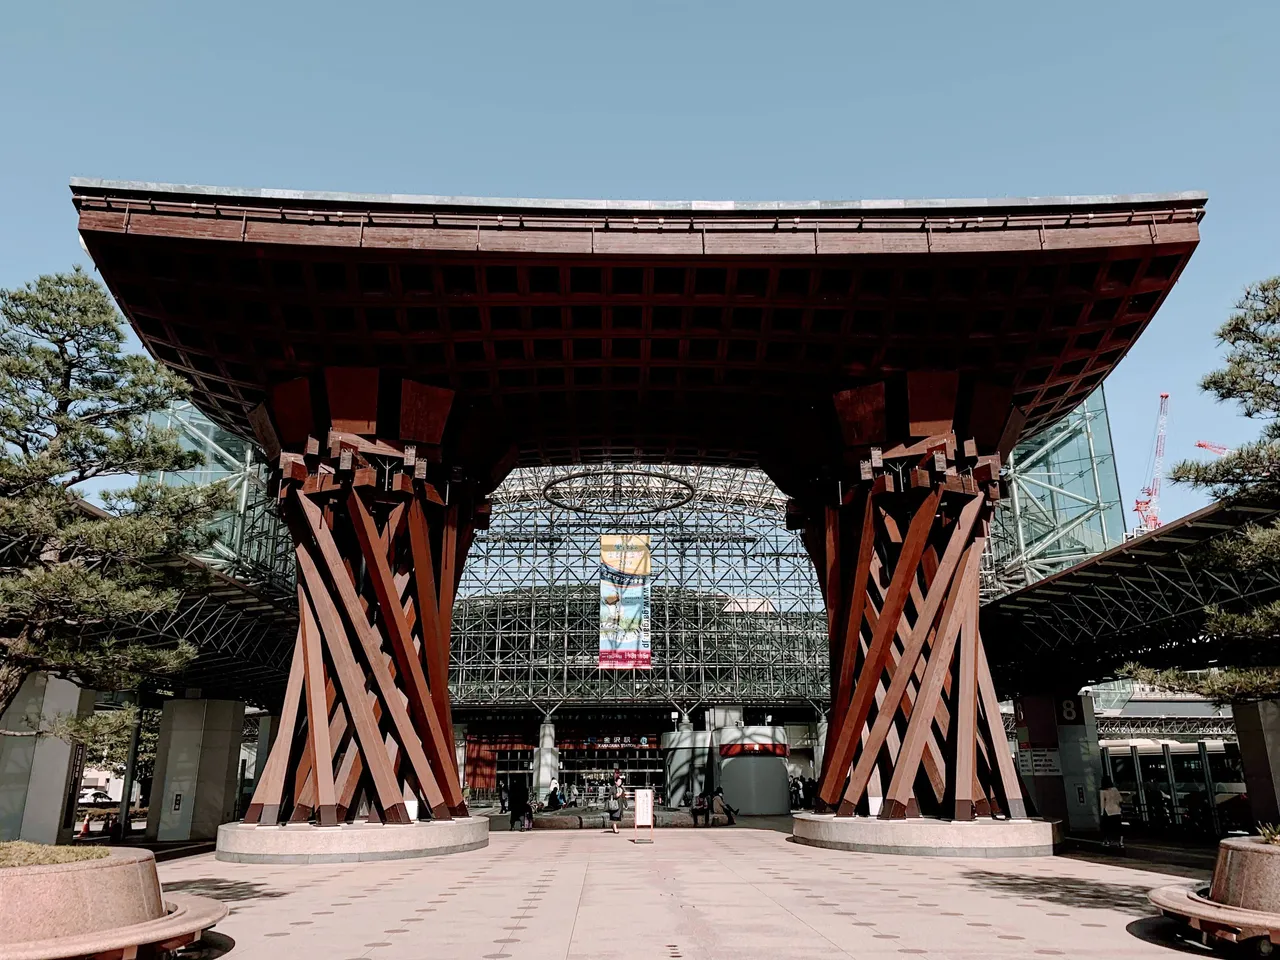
(230, 891)
(1163, 932)
(208, 947)
(1067, 891)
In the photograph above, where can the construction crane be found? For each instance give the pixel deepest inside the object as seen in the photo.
(1147, 506)
(1217, 449)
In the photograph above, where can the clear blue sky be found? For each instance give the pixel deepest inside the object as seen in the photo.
(661, 100)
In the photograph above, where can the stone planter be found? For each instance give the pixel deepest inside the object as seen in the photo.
(1241, 904)
(96, 908)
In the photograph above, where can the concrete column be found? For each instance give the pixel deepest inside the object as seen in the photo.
(196, 769)
(1258, 731)
(546, 761)
(40, 776)
(268, 727)
(1058, 758)
(686, 755)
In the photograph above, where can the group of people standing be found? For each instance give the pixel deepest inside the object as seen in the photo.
(804, 793)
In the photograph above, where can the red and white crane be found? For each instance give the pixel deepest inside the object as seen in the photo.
(1147, 506)
(1217, 449)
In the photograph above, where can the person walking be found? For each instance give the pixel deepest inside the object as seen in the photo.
(1109, 802)
(519, 802)
(617, 801)
(503, 794)
(573, 794)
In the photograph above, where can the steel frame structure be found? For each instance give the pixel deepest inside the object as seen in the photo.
(736, 610)
(1063, 504)
(1143, 600)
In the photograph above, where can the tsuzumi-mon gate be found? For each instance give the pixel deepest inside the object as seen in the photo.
(397, 356)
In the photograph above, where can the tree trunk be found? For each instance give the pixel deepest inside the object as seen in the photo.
(11, 677)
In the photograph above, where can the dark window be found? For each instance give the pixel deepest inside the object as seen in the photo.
(374, 277)
(340, 319)
(742, 350)
(545, 318)
(793, 282)
(627, 317)
(464, 318)
(586, 318)
(587, 349)
(287, 273)
(422, 318)
(245, 271)
(1123, 271)
(459, 280)
(1000, 280)
(380, 318)
(586, 376)
(668, 280)
(1143, 302)
(628, 280)
(1104, 310)
(710, 280)
(508, 349)
(666, 318)
(787, 318)
(707, 318)
(1162, 268)
(875, 283)
(469, 351)
(626, 374)
(550, 377)
(917, 283)
(703, 349)
(827, 321)
(584, 279)
(628, 349)
(330, 276)
(504, 318)
(664, 349)
(835, 282)
(544, 279)
(547, 350)
(747, 318)
(415, 276)
(753, 282)
(1040, 278)
(1082, 275)
(500, 279)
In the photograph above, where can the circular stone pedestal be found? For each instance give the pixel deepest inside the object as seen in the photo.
(350, 842)
(925, 837)
(107, 907)
(1243, 901)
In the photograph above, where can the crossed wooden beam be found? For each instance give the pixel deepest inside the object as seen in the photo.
(366, 721)
(914, 717)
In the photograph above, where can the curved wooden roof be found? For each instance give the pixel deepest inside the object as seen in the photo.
(667, 331)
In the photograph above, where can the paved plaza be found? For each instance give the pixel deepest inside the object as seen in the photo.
(732, 893)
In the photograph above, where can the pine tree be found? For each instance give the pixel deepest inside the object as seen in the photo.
(76, 407)
(1248, 638)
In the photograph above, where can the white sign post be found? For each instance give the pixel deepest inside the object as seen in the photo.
(644, 814)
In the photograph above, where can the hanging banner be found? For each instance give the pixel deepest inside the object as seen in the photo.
(624, 602)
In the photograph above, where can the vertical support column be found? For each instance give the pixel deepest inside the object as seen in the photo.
(1059, 758)
(546, 762)
(196, 757)
(1258, 731)
(40, 776)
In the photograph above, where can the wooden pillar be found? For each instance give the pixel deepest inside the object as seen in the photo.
(911, 690)
(366, 712)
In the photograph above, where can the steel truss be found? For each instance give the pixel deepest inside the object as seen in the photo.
(1156, 728)
(1063, 504)
(1143, 601)
(736, 612)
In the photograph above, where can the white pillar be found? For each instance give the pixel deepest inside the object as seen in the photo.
(460, 752)
(194, 789)
(40, 776)
(546, 761)
(819, 747)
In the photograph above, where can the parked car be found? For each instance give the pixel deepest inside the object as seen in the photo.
(91, 796)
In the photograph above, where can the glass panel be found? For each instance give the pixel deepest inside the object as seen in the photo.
(1229, 789)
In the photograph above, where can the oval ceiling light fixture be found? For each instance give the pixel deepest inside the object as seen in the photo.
(619, 492)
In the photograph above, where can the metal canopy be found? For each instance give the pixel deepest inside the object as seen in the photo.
(1143, 600)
